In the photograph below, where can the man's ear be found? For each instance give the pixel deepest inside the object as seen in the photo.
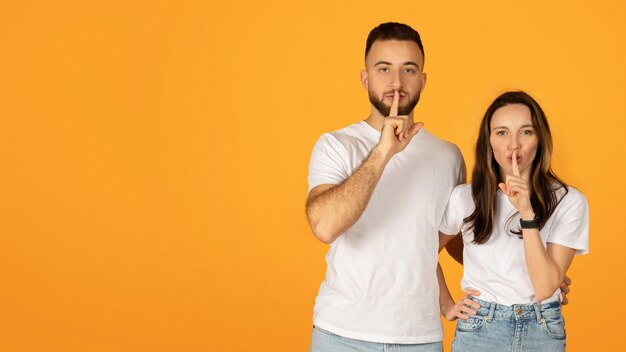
(365, 79)
(423, 82)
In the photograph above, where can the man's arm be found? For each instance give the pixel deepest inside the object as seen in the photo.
(445, 299)
(446, 302)
(449, 309)
(332, 209)
(565, 289)
(454, 247)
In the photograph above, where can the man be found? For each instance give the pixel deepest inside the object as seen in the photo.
(377, 193)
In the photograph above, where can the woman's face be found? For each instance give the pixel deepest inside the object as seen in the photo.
(512, 133)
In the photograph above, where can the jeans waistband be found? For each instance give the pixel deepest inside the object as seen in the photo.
(490, 310)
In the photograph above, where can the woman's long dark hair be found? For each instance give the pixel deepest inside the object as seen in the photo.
(486, 174)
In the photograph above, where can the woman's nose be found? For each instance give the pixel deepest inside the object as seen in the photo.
(514, 146)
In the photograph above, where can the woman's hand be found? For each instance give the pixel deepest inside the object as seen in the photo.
(463, 309)
(516, 188)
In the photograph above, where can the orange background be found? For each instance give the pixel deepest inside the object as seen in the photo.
(153, 156)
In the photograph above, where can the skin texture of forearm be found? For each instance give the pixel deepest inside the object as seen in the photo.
(333, 211)
(445, 298)
(544, 273)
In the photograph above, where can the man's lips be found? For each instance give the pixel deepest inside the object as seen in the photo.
(390, 96)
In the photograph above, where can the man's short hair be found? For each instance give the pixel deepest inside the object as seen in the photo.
(393, 31)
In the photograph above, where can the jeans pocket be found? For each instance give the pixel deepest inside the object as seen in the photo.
(554, 327)
(470, 324)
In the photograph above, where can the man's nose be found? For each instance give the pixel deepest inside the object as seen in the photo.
(396, 82)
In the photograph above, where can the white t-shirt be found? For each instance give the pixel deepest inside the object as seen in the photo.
(497, 268)
(381, 283)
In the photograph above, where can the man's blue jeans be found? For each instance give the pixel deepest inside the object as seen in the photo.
(325, 341)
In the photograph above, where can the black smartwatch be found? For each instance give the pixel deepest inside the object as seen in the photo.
(530, 224)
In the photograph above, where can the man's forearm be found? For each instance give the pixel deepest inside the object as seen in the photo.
(455, 248)
(332, 212)
(445, 299)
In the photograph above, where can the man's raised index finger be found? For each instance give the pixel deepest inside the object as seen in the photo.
(394, 104)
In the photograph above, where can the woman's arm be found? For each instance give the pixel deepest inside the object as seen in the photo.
(546, 266)
(463, 309)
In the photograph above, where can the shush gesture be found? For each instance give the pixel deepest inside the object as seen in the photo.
(518, 191)
(397, 131)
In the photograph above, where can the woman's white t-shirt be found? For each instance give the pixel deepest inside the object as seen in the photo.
(497, 268)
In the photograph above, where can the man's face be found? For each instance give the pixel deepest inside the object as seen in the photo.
(394, 65)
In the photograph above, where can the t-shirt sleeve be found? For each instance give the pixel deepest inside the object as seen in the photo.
(328, 164)
(453, 216)
(462, 172)
(571, 226)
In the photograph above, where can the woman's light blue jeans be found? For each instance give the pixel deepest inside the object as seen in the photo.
(517, 328)
(325, 341)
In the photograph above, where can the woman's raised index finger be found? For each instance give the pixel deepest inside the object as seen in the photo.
(515, 167)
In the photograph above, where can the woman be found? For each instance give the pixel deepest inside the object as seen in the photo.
(521, 227)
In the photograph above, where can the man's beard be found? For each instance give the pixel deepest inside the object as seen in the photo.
(384, 109)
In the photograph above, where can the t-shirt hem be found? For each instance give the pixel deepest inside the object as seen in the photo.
(447, 231)
(379, 338)
(324, 182)
(556, 296)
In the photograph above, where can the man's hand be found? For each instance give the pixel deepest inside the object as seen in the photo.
(565, 289)
(397, 131)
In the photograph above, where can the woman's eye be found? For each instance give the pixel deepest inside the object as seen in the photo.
(527, 132)
(501, 133)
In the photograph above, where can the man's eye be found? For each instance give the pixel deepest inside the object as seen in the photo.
(383, 69)
(409, 71)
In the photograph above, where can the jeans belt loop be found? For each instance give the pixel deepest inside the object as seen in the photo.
(538, 313)
(492, 308)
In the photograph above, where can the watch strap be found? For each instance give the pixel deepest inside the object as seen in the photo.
(530, 224)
